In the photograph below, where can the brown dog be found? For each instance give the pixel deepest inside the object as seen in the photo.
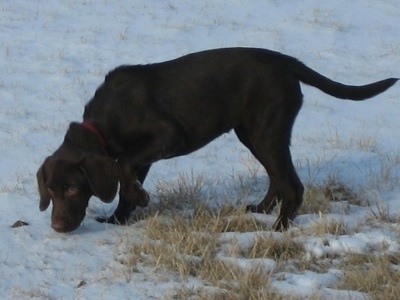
(142, 114)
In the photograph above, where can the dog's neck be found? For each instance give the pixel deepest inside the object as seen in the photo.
(86, 136)
(90, 127)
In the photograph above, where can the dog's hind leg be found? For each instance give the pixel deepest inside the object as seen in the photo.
(272, 196)
(269, 202)
(267, 135)
(287, 185)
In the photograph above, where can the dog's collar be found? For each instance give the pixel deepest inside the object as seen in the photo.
(90, 127)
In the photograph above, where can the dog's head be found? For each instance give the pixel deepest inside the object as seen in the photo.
(69, 180)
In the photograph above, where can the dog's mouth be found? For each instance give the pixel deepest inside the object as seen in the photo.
(64, 224)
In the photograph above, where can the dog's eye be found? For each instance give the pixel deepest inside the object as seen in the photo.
(70, 190)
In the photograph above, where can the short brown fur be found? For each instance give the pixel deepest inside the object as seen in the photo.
(145, 113)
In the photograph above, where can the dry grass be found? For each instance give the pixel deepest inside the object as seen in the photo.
(315, 201)
(337, 190)
(381, 214)
(386, 176)
(184, 242)
(190, 246)
(377, 276)
(230, 292)
(186, 192)
(326, 226)
(282, 248)
(318, 198)
(234, 255)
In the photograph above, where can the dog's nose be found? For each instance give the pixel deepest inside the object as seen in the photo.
(62, 226)
(58, 226)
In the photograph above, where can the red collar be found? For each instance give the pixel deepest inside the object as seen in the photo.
(90, 127)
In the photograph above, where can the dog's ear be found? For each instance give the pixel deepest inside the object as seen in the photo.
(102, 174)
(43, 192)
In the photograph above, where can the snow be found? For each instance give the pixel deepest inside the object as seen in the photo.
(55, 54)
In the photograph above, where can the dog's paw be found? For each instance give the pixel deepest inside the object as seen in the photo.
(112, 220)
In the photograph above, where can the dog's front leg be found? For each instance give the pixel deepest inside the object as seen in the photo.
(131, 194)
(162, 140)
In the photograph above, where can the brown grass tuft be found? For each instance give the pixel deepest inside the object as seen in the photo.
(377, 276)
(326, 226)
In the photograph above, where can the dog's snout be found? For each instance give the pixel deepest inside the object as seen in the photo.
(64, 225)
(59, 226)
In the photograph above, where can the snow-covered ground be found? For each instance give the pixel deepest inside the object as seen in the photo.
(55, 53)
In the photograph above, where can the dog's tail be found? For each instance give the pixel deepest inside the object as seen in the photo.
(339, 90)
